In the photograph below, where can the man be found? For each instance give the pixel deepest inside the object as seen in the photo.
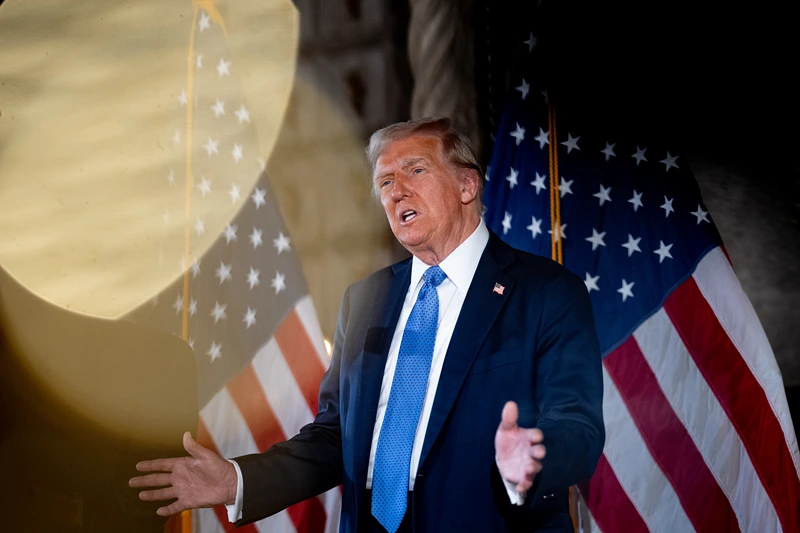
(439, 364)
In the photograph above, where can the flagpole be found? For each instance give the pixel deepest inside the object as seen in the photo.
(187, 238)
(556, 247)
(552, 188)
(557, 253)
(556, 193)
(184, 520)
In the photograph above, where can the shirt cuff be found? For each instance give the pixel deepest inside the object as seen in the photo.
(235, 510)
(516, 498)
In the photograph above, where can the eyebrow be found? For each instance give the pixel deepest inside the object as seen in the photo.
(406, 163)
(412, 162)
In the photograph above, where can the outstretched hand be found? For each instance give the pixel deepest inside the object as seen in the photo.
(202, 480)
(519, 450)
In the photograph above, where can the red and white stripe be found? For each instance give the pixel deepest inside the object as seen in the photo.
(268, 402)
(699, 434)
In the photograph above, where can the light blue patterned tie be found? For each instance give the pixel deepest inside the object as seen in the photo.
(393, 455)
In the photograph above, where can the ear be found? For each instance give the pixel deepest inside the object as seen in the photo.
(469, 185)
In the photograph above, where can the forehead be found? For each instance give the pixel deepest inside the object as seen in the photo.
(402, 151)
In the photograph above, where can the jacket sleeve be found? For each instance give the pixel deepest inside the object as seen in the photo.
(309, 463)
(569, 389)
(569, 399)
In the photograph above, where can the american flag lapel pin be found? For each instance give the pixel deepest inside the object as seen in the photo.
(498, 289)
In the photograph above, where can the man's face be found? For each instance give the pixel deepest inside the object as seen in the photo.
(423, 195)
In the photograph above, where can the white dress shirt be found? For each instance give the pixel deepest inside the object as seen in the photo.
(460, 267)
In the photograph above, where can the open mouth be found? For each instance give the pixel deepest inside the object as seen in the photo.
(408, 215)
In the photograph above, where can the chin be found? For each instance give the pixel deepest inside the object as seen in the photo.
(408, 241)
(411, 237)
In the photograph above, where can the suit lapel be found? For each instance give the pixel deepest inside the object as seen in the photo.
(478, 314)
(385, 313)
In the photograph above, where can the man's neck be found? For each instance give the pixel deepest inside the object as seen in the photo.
(432, 256)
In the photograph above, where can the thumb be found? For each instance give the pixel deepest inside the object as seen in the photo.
(509, 416)
(191, 446)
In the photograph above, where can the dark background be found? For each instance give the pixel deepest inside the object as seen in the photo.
(717, 77)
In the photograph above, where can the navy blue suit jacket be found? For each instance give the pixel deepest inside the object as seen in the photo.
(534, 344)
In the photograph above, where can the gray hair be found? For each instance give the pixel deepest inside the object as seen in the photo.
(455, 144)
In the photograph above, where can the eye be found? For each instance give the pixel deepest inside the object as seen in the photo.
(417, 171)
(384, 183)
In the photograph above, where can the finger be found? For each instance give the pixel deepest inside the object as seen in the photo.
(158, 495)
(535, 435)
(538, 451)
(190, 445)
(530, 472)
(151, 480)
(510, 415)
(171, 509)
(157, 465)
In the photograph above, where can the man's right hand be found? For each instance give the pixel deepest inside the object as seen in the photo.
(203, 480)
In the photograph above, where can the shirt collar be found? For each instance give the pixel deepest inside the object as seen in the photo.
(461, 264)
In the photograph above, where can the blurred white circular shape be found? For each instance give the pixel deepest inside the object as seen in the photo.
(109, 127)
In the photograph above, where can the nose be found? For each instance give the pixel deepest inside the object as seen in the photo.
(400, 189)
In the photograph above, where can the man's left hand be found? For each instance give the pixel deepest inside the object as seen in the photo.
(519, 451)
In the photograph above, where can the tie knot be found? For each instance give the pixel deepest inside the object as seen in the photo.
(434, 276)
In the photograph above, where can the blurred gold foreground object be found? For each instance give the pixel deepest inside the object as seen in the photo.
(93, 152)
(91, 124)
(93, 147)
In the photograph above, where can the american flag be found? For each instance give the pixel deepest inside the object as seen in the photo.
(699, 434)
(251, 323)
